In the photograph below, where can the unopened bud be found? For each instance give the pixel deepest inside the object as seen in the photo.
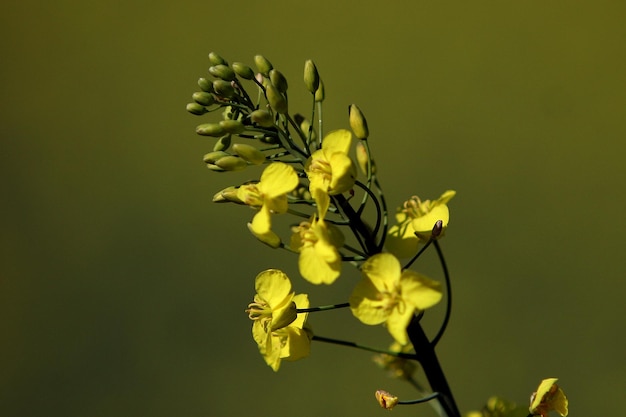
(278, 79)
(262, 117)
(227, 195)
(263, 65)
(205, 85)
(204, 98)
(276, 99)
(386, 400)
(243, 71)
(305, 126)
(215, 59)
(232, 126)
(311, 76)
(358, 122)
(223, 72)
(197, 109)
(437, 229)
(210, 129)
(222, 143)
(223, 88)
(249, 153)
(212, 157)
(361, 156)
(231, 163)
(215, 168)
(319, 93)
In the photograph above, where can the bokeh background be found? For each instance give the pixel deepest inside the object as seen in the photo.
(122, 286)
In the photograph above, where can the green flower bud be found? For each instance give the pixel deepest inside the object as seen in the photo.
(215, 168)
(232, 126)
(276, 99)
(263, 65)
(243, 71)
(278, 79)
(272, 140)
(215, 59)
(358, 122)
(361, 156)
(227, 195)
(311, 76)
(210, 129)
(249, 153)
(212, 157)
(223, 88)
(204, 98)
(197, 109)
(262, 117)
(305, 126)
(319, 93)
(223, 72)
(222, 143)
(231, 163)
(205, 85)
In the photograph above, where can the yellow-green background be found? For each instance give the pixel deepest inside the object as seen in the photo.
(122, 286)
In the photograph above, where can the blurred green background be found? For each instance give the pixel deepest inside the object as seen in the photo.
(122, 286)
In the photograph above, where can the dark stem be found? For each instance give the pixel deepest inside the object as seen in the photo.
(369, 349)
(446, 319)
(425, 354)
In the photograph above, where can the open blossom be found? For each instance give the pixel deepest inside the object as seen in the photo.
(278, 329)
(549, 396)
(415, 220)
(386, 294)
(270, 196)
(330, 170)
(317, 242)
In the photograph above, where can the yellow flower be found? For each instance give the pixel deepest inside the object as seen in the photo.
(385, 399)
(330, 169)
(278, 329)
(549, 396)
(270, 194)
(386, 294)
(419, 217)
(317, 242)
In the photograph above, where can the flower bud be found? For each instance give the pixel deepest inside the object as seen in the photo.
(386, 400)
(358, 122)
(222, 143)
(278, 79)
(249, 153)
(210, 129)
(232, 126)
(243, 71)
(262, 117)
(305, 126)
(276, 99)
(222, 72)
(215, 168)
(197, 109)
(311, 76)
(212, 157)
(361, 156)
(205, 85)
(204, 98)
(263, 65)
(319, 93)
(231, 163)
(215, 59)
(227, 195)
(223, 88)
(437, 229)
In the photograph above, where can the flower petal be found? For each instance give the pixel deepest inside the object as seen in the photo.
(278, 178)
(366, 304)
(419, 291)
(425, 224)
(337, 141)
(274, 286)
(383, 270)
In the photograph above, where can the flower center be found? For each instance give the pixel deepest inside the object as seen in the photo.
(322, 168)
(414, 207)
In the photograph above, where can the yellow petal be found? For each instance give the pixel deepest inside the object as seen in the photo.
(261, 223)
(302, 301)
(343, 173)
(398, 321)
(366, 304)
(425, 224)
(296, 344)
(278, 178)
(274, 287)
(315, 267)
(337, 141)
(318, 188)
(419, 291)
(401, 240)
(383, 270)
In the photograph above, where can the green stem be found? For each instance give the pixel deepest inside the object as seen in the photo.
(369, 349)
(322, 308)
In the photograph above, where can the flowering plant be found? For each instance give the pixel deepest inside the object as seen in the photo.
(312, 176)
